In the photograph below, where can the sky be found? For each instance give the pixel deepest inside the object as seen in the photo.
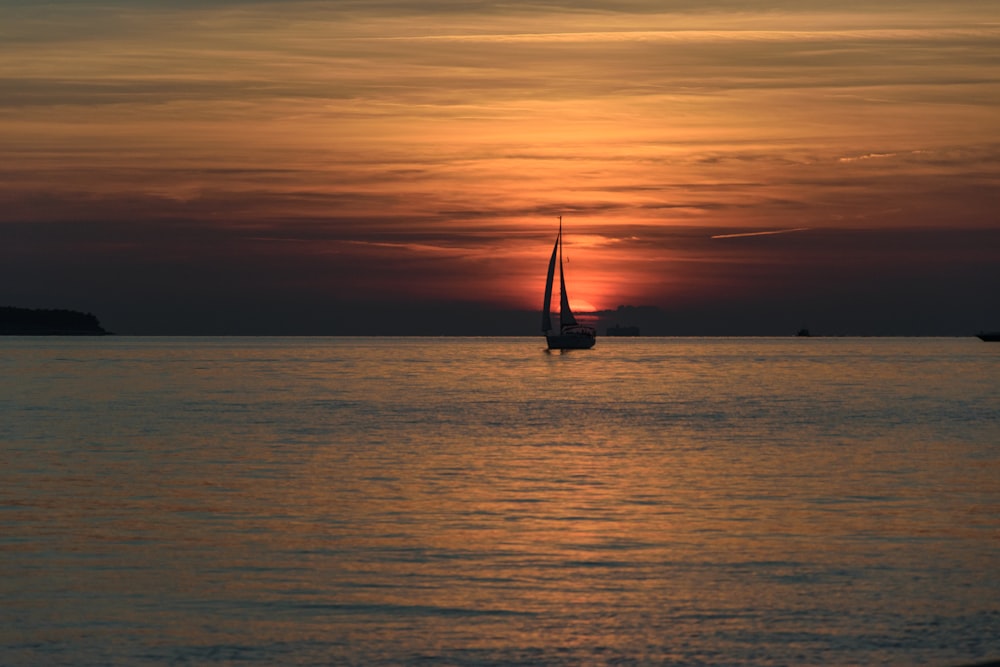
(722, 167)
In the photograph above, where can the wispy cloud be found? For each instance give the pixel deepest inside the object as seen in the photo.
(866, 156)
(453, 132)
(695, 35)
(764, 233)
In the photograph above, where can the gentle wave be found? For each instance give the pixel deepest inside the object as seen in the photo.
(481, 502)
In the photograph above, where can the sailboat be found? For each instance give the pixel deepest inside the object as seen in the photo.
(572, 335)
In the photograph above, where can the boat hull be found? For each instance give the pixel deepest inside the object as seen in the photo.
(570, 341)
(990, 336)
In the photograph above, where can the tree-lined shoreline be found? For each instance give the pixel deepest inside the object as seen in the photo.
(48, 322)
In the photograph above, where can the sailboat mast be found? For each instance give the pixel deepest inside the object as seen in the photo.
(559, 243)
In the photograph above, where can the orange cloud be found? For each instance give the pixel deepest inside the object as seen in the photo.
(443, 149)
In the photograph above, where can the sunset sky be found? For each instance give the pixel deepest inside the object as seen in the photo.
(392, 166)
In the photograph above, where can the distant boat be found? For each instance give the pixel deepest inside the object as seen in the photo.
(989, 336)
(803, 333)
(619, 330)
(572, 335)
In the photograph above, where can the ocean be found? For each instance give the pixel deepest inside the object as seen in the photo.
(480, 501)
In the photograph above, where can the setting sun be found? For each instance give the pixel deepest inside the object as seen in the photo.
(322, 165)
(582, 306)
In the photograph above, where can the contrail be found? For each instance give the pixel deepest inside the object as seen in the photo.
(776, 231)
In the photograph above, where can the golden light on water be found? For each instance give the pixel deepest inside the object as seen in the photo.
(379, 500)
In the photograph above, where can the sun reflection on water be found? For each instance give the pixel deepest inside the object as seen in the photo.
(661, 501)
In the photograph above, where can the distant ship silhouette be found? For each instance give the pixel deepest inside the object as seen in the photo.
(618, 330)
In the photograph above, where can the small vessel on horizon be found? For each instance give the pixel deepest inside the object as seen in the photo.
(623, 331)
(572, 335)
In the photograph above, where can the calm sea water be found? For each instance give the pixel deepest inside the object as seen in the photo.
(399, 501)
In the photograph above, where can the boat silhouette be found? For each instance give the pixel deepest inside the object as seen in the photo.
(572, 335)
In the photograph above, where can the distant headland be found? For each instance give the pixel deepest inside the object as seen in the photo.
(48, 322)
